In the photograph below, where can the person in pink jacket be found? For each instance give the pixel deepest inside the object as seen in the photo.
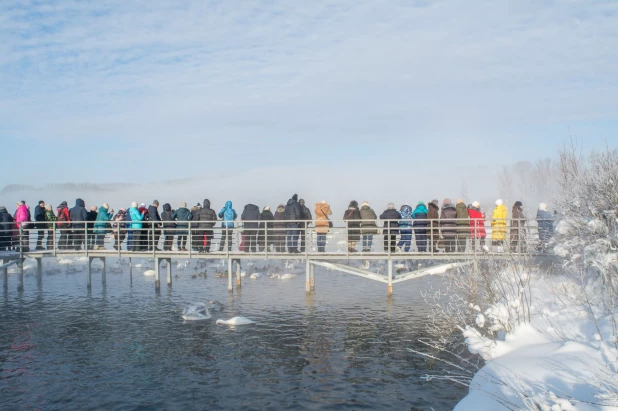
(21, 220)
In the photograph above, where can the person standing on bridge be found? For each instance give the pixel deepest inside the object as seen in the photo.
(79, 216)
(405, 228)
(7, 229)
(228, 214)
(101, 225)
(50, 218)
(279, 229)
(182, 216)
(22, 217)
(477, 226)
(154, 231)
(322, 224)
(266, 229)
(420, 226)
(251, 216)
(168, 227)
(63, 225)
(92, 217)
(119, 228)
(135, 226)
(448, 225)
(498, 225)
(39, 218)
(368, 226)
(463, 225)
(433, 217)
(293, 215)
(205, 219)
(391, 227)
(518, 229)
(352, 218)
(306, 217)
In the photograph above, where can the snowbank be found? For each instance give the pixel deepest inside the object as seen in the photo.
(561, 360)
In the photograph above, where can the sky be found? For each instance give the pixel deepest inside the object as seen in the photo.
(253, 101)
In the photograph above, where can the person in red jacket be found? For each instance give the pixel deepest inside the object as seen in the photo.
(63, 225)
(477, 225)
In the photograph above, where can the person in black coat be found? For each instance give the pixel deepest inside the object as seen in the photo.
(78, 216)
(306, 217)
(7, 229)
(293, 215)
(154, 235)
(353, 222)
(205, 219)
(251, 214)
(279, 229)
(39, 218)
(91, 217)
(168, 226)
(391, 228)
(266, 234)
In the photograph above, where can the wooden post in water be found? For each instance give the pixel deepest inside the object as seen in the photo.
(20, 271)
(5, 274)
(229, 275)
(312, 266)
(390, 277)
(169, 272)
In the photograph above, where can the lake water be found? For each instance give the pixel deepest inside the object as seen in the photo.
(123, 347)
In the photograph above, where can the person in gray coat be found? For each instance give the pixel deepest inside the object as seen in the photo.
(368, 226)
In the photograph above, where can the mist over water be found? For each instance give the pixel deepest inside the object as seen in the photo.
(123, 347)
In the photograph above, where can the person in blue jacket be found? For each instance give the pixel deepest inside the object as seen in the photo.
(405, 228)
(133, 227)
(420, 226)
(102, 226)
(228, 214)
(182, 217)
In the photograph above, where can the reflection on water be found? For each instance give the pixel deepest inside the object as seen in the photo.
(123, 347)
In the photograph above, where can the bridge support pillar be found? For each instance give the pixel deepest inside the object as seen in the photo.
(390, 277)
(158, 274)
(20, 274)
(230, 288)
(312, 278)
(89, 285)
(169, 271)
(39, 267)
(238, 278)
(103, 273)
(307, 276)
(5, 274)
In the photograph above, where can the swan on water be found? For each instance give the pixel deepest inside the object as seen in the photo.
(282, 276)
(64, 261)
(289, 266)
(236, 321)
(196, 312)
(243, 274)
(149, 273)
(255, 276)
(220, 274)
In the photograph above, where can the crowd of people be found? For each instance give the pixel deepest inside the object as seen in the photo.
(433, 226)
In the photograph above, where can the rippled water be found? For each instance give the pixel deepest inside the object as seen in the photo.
(124, 347)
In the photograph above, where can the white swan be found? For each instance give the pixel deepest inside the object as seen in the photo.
(149, 273)
(255, 276)
(196, 312)
(287, 276)
(182, 266)
(236, 321)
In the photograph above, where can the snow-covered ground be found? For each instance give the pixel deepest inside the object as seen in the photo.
(561, 360)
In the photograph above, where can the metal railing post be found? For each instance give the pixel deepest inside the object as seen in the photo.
(190, 240)
(86, 238)
(152, 238)
(21, 240)
(266, 239)
(306, 243)
(54, 237)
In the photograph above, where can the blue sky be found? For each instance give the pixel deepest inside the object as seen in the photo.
(130, 91)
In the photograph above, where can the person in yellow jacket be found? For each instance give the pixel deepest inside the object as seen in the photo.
(498, 224)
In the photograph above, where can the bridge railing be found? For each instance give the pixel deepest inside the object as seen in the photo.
(280, 236)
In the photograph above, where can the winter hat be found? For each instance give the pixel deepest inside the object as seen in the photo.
(142, 205)
(353, 203)
(295, 197)
(134, 204)
(156, 202)
(183, 205)
(436, 202)
(324, 202)
(64, 203)
(476, 204)
(48, 207)
(41, 201)
(20, 203)
(459, 200)
(267, 208)
(391, 206)
(518, 204)
(93, 208)
(447, 201)
(365, 204)
(106, 206)
(198, 205)
(3, 209)
(498, 202)
(543, 207)
(420, 203)
(301, 201)
(122, 210)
